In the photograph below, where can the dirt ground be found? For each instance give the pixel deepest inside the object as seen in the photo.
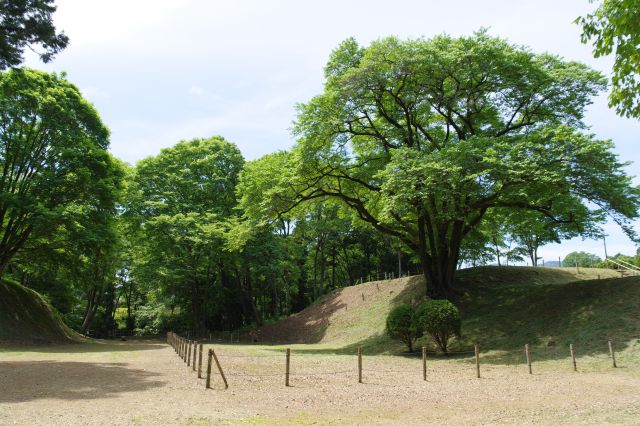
(147, 383)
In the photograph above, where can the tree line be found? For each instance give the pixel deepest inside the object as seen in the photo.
(422, 154)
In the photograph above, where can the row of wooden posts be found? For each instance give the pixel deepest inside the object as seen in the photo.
(186, 349)
(572, 352)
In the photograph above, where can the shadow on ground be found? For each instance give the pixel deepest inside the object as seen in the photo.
(30, 380)
(89, 346)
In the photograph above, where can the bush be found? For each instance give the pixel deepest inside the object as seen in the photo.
(402, 325)
(439, 318)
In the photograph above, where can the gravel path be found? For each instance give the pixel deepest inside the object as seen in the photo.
(147, 383)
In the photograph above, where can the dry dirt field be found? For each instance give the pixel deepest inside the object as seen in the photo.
(145, 382)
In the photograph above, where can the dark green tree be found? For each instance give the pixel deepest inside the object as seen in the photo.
(439, 318)
(55, 171)
(402, 324)
(28, 23)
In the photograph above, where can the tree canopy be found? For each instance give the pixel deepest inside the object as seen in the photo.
(56, 170)
(418, 156)
(182, 201)
(28, 23)
(421, 138)
(614, 27)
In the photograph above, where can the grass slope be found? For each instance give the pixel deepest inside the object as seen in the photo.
(25, 317)
(502, 309)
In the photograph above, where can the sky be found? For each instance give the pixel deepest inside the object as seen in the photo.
(163, 71)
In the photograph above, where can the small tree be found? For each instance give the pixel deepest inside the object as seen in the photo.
(580, 258)
(439, 318)
(402, 325)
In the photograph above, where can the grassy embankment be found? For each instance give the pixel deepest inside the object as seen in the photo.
(502, 309)
(26, 317)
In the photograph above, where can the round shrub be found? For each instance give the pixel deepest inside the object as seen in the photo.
(402, 325)
(439, 318)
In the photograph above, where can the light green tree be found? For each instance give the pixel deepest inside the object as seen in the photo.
(614, 27)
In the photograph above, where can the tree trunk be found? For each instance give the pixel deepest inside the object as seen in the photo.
(497, 249)
(439, 263)
(196, 309)
(90, 311)
(250, 299)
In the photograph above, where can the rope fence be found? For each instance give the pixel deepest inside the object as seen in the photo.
(191, 352)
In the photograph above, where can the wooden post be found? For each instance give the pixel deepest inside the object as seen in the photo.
(193, 363)
(526, 351)
(573, 357)
(215, 358)
(359, 365)
(286, 382)
(613, 355)
(424, 363)
(477, 351)
(208, 385)
(200, 362)
(189, 354)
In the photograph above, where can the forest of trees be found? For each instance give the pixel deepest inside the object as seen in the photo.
(419, 156)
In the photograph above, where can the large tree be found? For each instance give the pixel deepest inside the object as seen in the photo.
(55, 171)
(614, 27)
(28, 23)
(182, 201)
(421, 138)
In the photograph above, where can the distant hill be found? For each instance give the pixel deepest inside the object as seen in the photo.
(26, 317)
(502, 309)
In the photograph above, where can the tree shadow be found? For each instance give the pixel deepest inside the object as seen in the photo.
(550, 317)
(88, 346)
(31, 380)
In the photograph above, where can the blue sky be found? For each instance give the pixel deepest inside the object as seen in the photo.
(163, 71)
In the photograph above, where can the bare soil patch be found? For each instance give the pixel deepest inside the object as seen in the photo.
(147, 383)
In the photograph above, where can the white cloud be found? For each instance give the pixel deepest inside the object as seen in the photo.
(112, 21)
(93, 93)
(196, 90)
